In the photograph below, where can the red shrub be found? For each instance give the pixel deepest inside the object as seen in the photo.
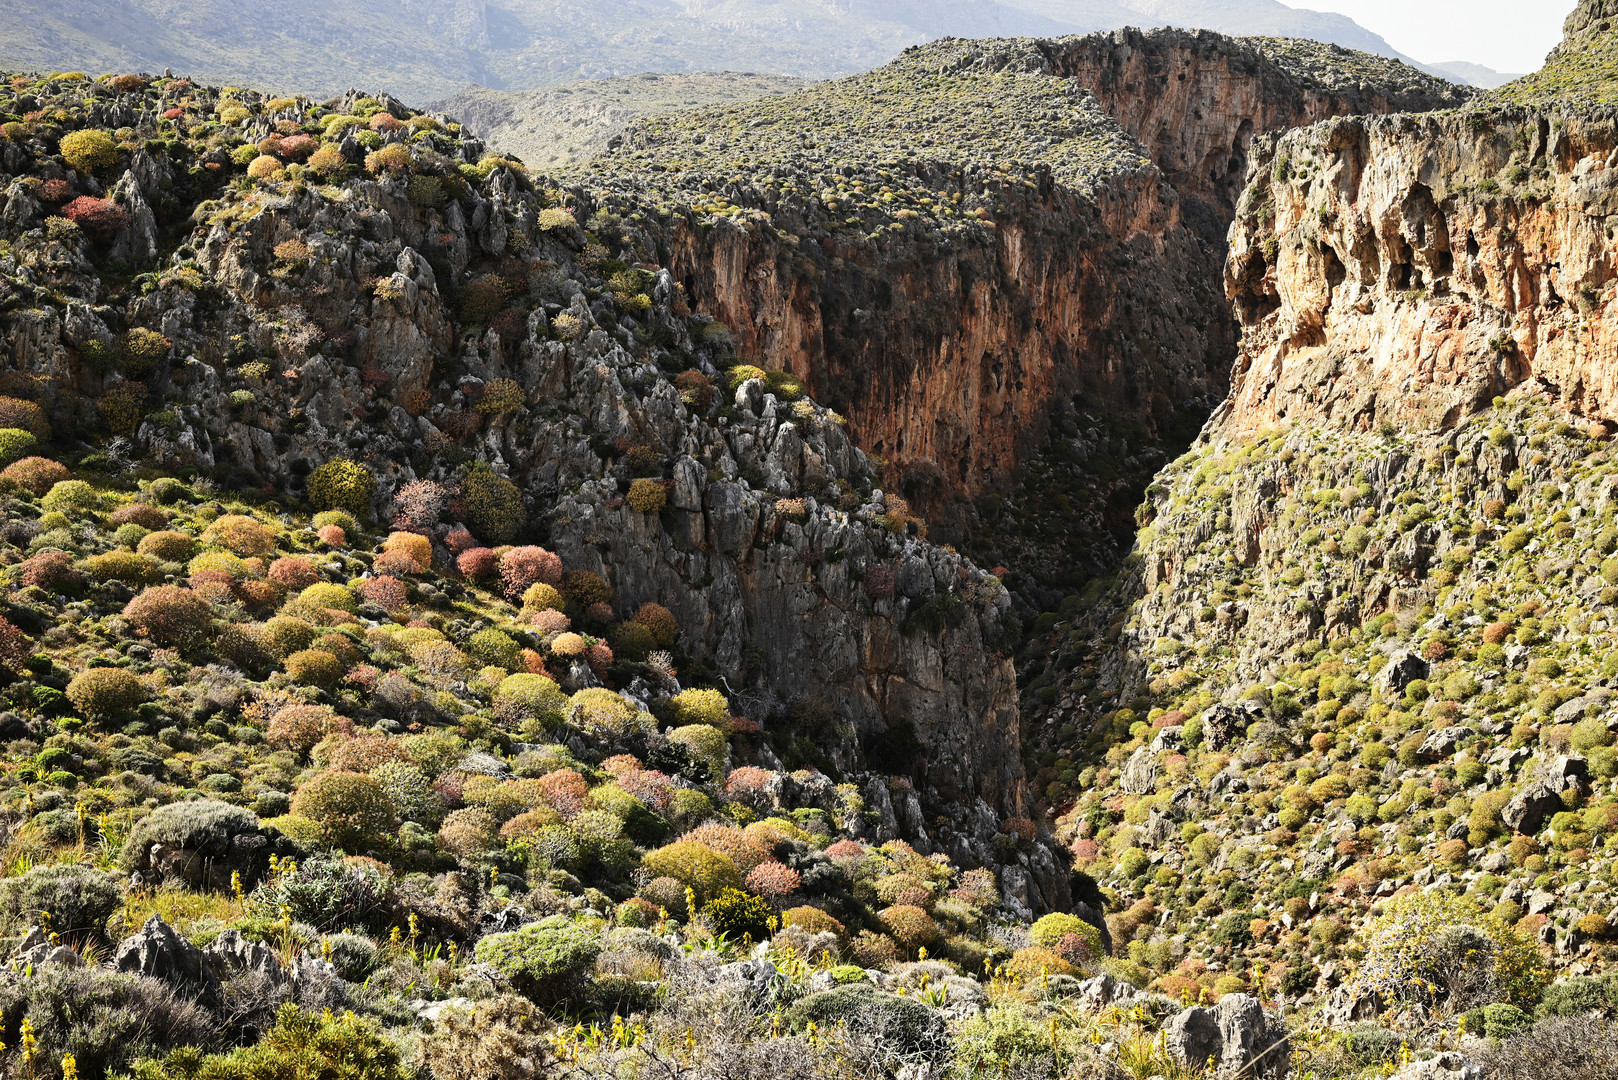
(845, 849)
(47, 570)
(298, 147)
(773, 880)
(417, 505)
(396, 562)
(294, 571)
(99, 218)
(651, 787)
(746, 780)
(301, 727)
(387, 593)
(170, 615)
(332, 535)
(879, 582)
(145, 515)
(460, 539)
(477, 563)
(525, 566)
(620, 765)
(55, 191)
(565, 790)
(14, 644)
(37, 474)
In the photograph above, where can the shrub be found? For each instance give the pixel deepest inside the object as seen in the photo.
(170, 615)
(48, 570)
(143, 351)
(104, 692)
(603, 712)
(263, 167)
(468, 832)
(78, 899)
(647, 496)
(15, 443)
(341, 484)
(1038, 963)
(495, 647)
(660, 621)
(351, 810)
(1433, 949)
(773, 880)
(547, 960)
(1049, 930)
(900, 1026)
(89, 151)
(240, 534)
(414, 547)
(393, 158)
(167, 546)
(585, 587)
(523, 567)
(813, 920)
(500, 396)
(202, 826)
(543, 597)
(314, 667)
(478, 563)
(294, 571)
(492, 503)
(533, 701)
(36, 474)
(326, 893)
(386, 592)
(125, 566)
(25, 416)
(323, 595)
(707, 873)
(701, 707)
(481, 298)
(301, 727)
(909, 925)
(71, 495)
(410, 791)
(497, 1039)
(705, 744)
(738, 915)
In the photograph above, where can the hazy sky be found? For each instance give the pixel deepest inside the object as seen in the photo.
(1507, 35)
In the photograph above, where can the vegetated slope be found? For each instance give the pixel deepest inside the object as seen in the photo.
(1362, 648)
(419, 318)
(561, 127)
(968, 257)
(428, 50)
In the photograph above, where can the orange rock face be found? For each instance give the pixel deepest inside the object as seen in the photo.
(1411, 269)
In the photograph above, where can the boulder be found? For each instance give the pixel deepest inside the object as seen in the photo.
(230, 955)
(157, 952)
(1441, 743)
(1402, 669)
(1104, 990)
(36, 949)
(1236, 1035)
(1447, 1065)
(1528, 809)
(1140, 774)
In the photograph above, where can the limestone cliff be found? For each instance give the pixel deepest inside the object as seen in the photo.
(953, 248)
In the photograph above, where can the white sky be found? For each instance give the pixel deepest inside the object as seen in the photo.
(1507, 35)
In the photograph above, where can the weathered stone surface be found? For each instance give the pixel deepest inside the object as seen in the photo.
(157, 952)
(1529, 809)
(1236, 1035)
(1447, 1065)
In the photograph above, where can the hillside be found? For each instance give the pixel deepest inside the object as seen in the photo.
(562, 127)
(427, 51)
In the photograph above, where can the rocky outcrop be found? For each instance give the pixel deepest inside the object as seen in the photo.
(157, 952)
(1087, 282)
(1234, 1038)
(1196, 99)
(1411, 269)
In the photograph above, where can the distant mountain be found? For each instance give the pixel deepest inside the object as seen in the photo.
(430, 49)
(1473, 74)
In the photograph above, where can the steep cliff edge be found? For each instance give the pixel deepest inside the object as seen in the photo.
(956, 247)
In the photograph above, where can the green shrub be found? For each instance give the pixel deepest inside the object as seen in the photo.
(647, 496)
(15, 444)
(532, 701)
(143, 352)
(312, 1045)
(105, 692)
(546, 961)
(71, 495)
(1050, 929)
(410, 791)
(706, 872)
(352, 810)
(701, 707)
(495, 647)
(901, 1026)
(328, 894)
(493, 504)
(704, 744)
(285, 635)
(314, 667)
(1580, 994)
(167, 546)
(89, 151)
(78, 899)
(603, 712)
(738, 915)
(324, 594)
(341, 484)
(1435, 948)
(125, 566)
